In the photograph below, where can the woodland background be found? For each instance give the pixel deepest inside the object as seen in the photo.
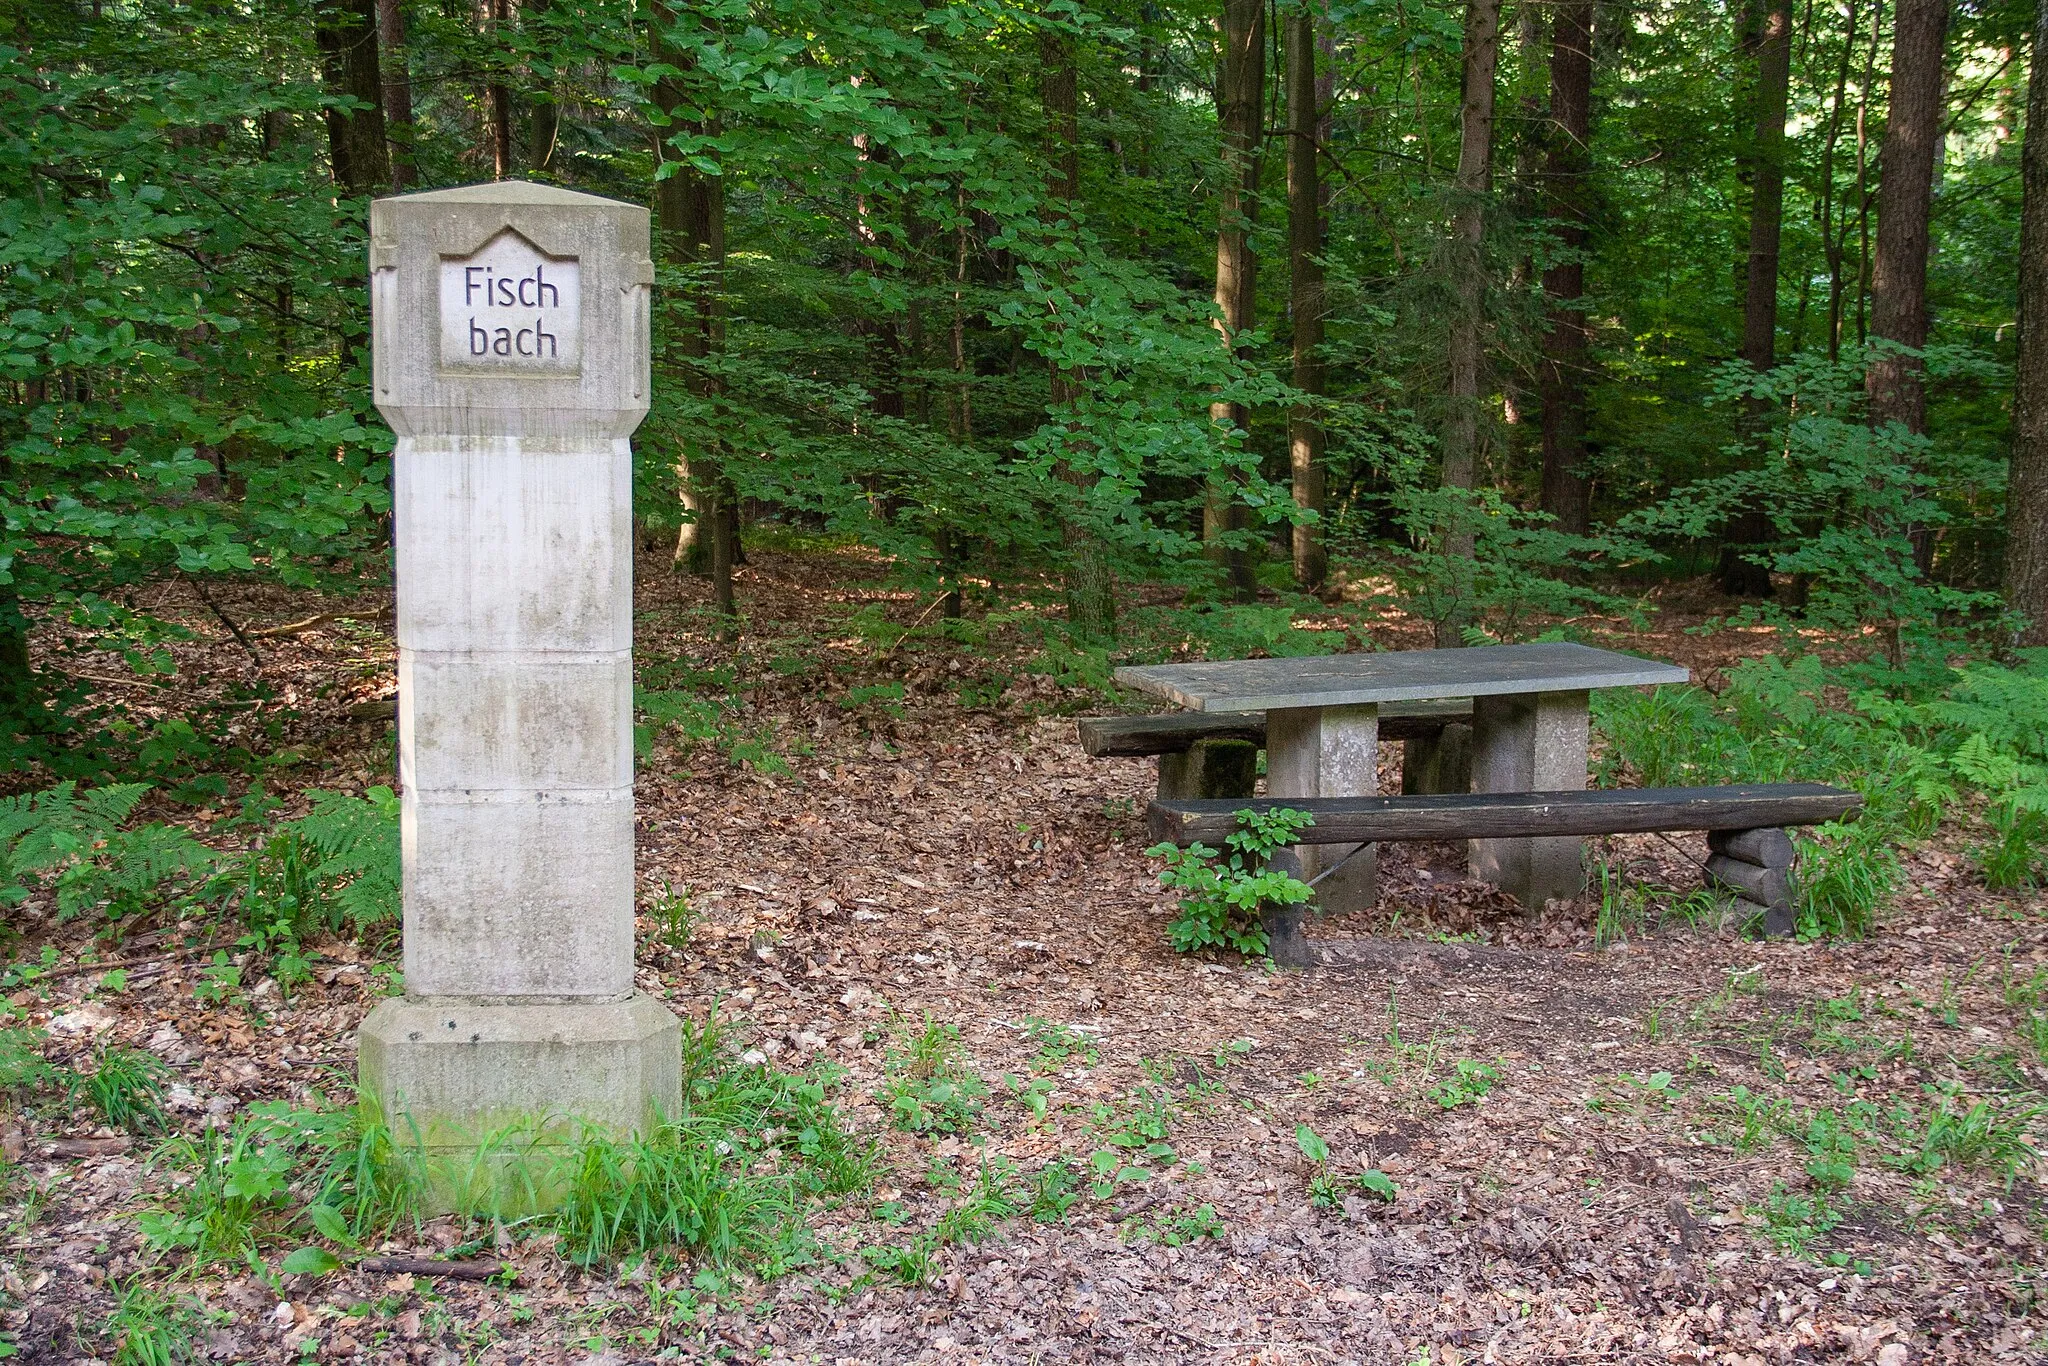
(997, 344)
(1496, 314)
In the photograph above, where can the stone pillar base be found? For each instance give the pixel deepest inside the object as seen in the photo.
(468, 1085)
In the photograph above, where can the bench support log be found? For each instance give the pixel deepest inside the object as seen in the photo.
(1530, 742)
(1312, 751)
(1757, 866)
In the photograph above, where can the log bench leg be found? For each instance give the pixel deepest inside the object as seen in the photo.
(1210, 768)
(1283, 924)
(1756, 865)
(1328, 752)
(1530, 742)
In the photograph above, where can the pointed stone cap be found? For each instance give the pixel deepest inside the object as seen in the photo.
(510, 309)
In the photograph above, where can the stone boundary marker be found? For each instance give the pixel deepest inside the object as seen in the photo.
(510, 337)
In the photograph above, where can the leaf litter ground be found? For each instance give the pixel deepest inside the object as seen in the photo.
(1623, 1169)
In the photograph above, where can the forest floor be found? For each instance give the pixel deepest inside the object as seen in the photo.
(1596, 1154)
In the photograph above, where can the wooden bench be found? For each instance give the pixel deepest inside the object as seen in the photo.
(1215, 754)
(1751, 853)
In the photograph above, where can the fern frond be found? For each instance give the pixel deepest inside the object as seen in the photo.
(47, 830)
(357, 842)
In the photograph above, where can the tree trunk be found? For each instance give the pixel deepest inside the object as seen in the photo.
(544, 114)
(498, 95)
(1525, 198)
(397, 83)
(1833, 238)
(346, 33)
(1305, 294)
(690, 210)
(1905, 200)
(1767, 186)
(1090, 584)
(1863, 177)
(1465, 261)
(1567, 491)
(2026, 507)
(1240, 93)
(1740, 573)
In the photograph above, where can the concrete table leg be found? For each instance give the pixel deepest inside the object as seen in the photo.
(1328, 752)
(1438, 763)
(1210, 768)
(1534, 742)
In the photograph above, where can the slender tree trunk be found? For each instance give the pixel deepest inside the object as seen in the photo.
(1465, 261)
(1090, 583)
(1833, 238)
(1567, 491)
(690, 210)
(499, 96)
(960, 413)
(397, 83)
(1905, 201)
(1240, 94)
(1305, 294)
(1526, 199)
(346, 33)
(2026, 506)
(1863, 178)
(544, 115)
(1767, 186)
(1741, 575)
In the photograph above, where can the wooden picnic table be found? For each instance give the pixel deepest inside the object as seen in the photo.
(1530, 725)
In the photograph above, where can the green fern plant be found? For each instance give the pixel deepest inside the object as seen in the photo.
(335, 868)
(70, 839)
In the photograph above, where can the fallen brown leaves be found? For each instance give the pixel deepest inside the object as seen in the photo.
(921, 856)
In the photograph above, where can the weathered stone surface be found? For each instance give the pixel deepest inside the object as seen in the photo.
(510, 357)
(465, 1070)
(1211, 768)
(1438, 763)
(1328, 752)
(1398, 675)
(1530, 744)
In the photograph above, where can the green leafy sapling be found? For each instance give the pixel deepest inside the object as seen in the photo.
(1223, 895)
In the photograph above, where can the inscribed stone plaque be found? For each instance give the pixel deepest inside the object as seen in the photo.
(511, 307)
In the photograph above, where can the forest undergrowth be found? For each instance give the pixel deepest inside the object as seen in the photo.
(952, 1093)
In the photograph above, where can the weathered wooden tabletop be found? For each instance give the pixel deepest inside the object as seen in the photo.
(1394, 676)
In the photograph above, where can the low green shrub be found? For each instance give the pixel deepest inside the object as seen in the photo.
(729, 1178)
(1844, 875)
(1223, 896)
(335, 1169)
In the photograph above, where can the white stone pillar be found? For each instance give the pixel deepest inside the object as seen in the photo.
(510, 339)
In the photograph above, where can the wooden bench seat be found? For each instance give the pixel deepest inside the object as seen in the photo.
(1174, 732)
(1750, 853)
(1216, 754)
